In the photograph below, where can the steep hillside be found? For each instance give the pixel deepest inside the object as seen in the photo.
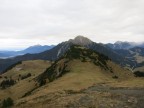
(84, 55)
(18, 81)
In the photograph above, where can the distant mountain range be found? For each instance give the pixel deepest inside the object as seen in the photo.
(39, 48)
(124, 45)
(31, 50)
(134, 54)
(58, 51)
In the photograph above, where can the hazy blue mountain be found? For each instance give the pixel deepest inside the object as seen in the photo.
(36, 49)
(6, 54)
(3, 54)
(31, 50)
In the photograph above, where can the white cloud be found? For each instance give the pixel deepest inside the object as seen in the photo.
(28, 22)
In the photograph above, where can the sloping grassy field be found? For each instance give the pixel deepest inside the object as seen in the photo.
(21, 87)
(70, 87)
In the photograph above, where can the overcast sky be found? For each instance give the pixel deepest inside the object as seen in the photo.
(29, 22)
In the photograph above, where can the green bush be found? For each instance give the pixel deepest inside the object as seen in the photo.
(83, 59)
(115, 77)
(26, 76)
(7, 103)
(42, 82)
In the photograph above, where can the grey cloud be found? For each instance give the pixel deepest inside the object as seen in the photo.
(58, 20)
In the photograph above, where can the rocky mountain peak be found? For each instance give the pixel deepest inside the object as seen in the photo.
(81, 40)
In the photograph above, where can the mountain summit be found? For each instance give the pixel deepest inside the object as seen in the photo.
(80, 40)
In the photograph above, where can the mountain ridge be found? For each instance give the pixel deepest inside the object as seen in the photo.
(124, 45)
(61, 48)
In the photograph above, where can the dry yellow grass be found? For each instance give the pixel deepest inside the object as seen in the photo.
(35, 67)
(135, 82)
(81, 76)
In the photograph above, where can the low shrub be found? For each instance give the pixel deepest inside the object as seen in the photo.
(7, 103)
